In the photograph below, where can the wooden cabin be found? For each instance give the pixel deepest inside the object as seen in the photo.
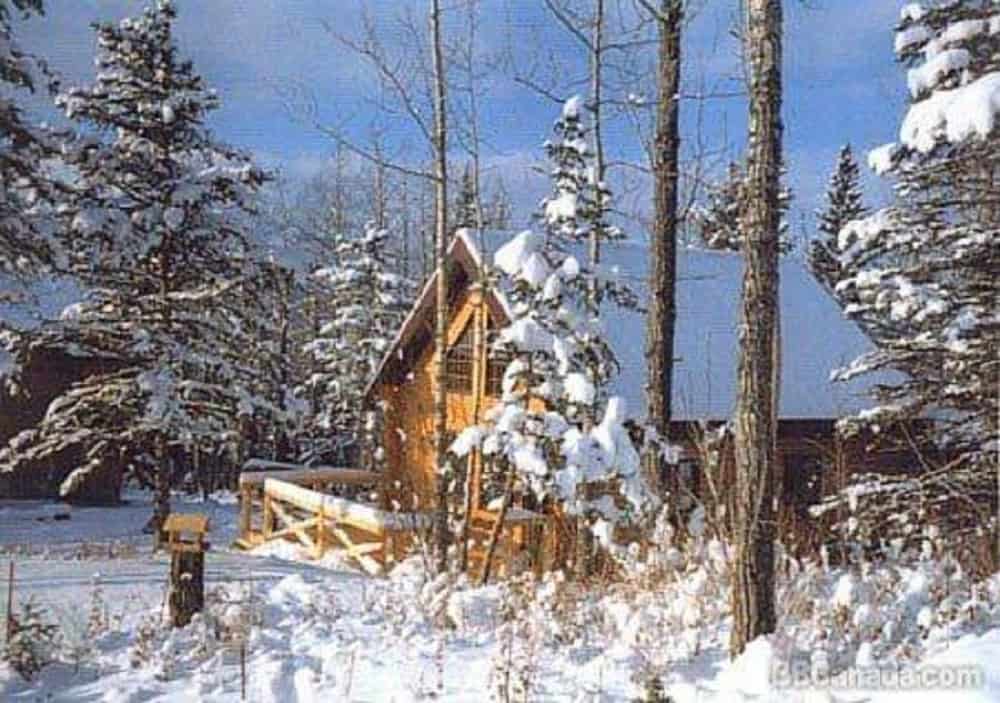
(816, 339)
(46, 374)
(404, 388)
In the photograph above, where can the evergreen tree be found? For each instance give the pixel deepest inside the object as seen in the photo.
(28, 235)
(368, 301)
(579, 206)
(157, 222)
(921, 275)
(555, 431)
(844, 204)
(718, 222)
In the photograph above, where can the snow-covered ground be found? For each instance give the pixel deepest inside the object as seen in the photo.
(321, 632)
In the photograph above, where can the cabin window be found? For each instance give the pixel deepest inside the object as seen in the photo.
(458, 364)
(497, 362)
(803, 481)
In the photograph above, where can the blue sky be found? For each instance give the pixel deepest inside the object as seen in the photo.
(841, 82)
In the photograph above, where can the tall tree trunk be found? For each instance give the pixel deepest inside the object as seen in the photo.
(756, 433)
(379, 204)
(161, 488)
(662, 316)
(339, 204)
(473, 118)
(441, 323)
(596, 84)
(583, 559)
(164, 472)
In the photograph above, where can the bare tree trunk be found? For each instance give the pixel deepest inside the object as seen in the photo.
(756, 433)
(441, 323)
(164, 473)
(474, 137)
(583, 560)
(497, 529)
(339, 204)
(422, 226)
(596, 83)
(379, 204)
(662, 316)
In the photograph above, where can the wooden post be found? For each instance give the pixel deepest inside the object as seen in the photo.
(538, 548)
(268, 525)
(186, 542)
(187, 586)
(246, 507)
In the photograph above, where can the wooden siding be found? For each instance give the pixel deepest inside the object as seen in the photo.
(409, 425)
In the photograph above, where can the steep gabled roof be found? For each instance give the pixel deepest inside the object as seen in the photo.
(465, 265)
(816, 337)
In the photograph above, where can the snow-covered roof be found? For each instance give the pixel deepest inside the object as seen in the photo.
(816, 337)
(25, 306)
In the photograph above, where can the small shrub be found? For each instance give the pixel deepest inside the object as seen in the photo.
(33, 643)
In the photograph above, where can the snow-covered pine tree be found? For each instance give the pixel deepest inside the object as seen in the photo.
(579, 205)
(27, 195)
(921, 275)
(844, 203)
(718, 221)
(368, 301)
(156, 222)
(555, 431)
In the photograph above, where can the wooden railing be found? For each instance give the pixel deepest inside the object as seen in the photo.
(285, 502)
(288, 502)
(251, 484)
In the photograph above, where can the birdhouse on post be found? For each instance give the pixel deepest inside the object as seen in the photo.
(186, 543)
